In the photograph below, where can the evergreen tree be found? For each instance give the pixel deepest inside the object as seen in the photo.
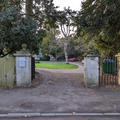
(100, 20)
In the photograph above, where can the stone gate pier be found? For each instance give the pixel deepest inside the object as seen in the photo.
(23, 68)
(91, 71)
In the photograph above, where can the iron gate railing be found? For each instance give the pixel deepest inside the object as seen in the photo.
(108, 71)
(33, 68)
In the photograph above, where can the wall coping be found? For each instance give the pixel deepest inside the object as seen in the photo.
(22, 53)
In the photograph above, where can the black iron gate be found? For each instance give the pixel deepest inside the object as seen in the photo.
(108, 71)
(33, 68)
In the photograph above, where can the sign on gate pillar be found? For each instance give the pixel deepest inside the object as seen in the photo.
(23, 68)
(92, 71)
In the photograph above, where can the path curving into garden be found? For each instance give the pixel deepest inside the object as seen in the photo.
(80, 69)
(63, 78)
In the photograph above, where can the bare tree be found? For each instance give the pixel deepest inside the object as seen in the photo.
(67, 27)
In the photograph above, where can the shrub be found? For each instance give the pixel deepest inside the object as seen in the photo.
(45, 58)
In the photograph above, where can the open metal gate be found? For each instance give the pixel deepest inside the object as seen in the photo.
(108, 71)
(33, 68)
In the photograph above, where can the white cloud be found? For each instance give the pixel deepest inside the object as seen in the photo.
(73, 4)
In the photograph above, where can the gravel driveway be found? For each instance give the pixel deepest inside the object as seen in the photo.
(59, 91)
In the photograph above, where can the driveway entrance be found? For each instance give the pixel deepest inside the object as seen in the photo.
(59, 91)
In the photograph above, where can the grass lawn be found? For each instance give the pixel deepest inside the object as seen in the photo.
(55, 65)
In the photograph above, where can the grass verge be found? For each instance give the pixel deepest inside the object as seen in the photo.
(55, 65)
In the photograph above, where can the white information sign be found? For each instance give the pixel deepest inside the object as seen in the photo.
(22, 62)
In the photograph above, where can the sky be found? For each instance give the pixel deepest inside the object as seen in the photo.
(73, 4)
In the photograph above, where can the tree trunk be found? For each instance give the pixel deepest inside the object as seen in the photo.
(65, 51)
(29, 8)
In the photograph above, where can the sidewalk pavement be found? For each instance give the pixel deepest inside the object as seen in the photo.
(67, 118)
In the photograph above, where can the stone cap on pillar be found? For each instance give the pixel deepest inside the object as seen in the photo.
(92, 55)
(23, 52)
